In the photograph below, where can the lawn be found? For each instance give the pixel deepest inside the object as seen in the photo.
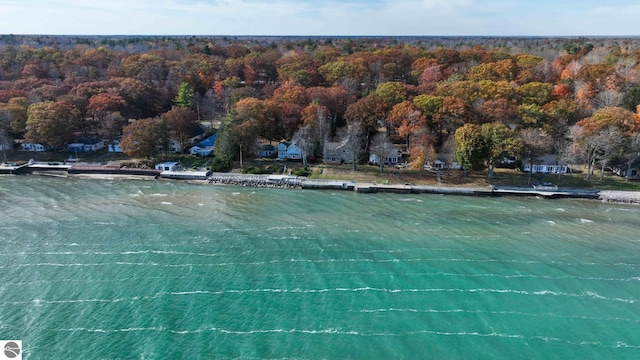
(364, 173)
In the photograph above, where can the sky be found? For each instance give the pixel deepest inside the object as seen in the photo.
(329, 17)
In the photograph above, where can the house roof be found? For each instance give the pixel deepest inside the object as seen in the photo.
(210, 141)
(266, 147)
(87, 141)
(196, 130)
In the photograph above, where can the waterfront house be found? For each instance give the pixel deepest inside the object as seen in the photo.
(393, 156)
(205, 147)
(169, 166)
(625, 169)
(294, 152)
(337, 153)
(282, 149)
(441, 165)
(85, 145)
(547, 164)
(114, 146)
(289, 151)
(196, 133)
(266, 150)
(35, 147)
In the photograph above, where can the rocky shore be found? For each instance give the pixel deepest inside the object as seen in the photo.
(259, 181)
(616, 196)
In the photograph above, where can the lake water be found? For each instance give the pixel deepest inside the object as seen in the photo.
(123, 269)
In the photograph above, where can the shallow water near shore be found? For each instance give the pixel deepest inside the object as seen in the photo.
(101, 269)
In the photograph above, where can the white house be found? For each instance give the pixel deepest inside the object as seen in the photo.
(169, 166)
(441, 165)
(115, 146)
(34, 147)
(85, 145)
(392, 157)
(545, 169)
(201, 151)
(547, 164)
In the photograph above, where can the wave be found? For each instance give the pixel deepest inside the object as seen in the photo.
(504, 312)
(348, 332)
(583, 295)
(319, 261)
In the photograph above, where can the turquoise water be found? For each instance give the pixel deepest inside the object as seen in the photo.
(120, 269)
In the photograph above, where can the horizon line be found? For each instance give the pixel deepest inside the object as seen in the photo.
(335, 35)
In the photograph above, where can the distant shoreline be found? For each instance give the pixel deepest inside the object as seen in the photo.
(294, 182)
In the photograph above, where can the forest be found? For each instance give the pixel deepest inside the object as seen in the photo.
(470, 100)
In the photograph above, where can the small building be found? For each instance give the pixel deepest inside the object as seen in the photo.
(205, 147)
(545, 169)
(114, 146)
(173, 146)
(294, 152)
(441, 165)
(169, 166)
(195, 134)
(266, 150)
(392, 156)
(632, 170)
(547, 164)
(337, 153)
(35, 147)
(289, 151)
(201, 151)
(282, 149)
(85, 145)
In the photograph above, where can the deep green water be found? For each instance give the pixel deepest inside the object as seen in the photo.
(101, 269)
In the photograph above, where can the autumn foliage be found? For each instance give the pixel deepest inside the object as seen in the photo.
(418, 92)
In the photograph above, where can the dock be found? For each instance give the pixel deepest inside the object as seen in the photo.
(185, 175)
(12, 169)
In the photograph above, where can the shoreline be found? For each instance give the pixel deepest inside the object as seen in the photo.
(295, 182)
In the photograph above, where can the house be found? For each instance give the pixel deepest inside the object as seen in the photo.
(545, 169)
(289, 151)
(114, 146)
(85, 145)
(393, 156)
(624, 169)
(35, 147)
(174, 146)
(266, 150)
(294, 152)
(195, 134)
(547, 164)
(169, 166)
(282, 149)
(337, 153)
(201, 151)
(441, 165)
(205, 147)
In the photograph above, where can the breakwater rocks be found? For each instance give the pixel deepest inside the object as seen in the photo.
(626, 197)
(260, 181)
